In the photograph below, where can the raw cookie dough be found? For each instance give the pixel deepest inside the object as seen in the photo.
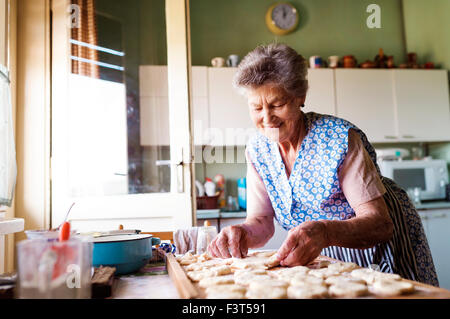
(268, 284)
(219, 280)
(249, 262)
(265, 293)
(348, 289)
(389, 287)
(302, 279)
(273, 261)
(307, 291)
(323, 273)
(263, 254)
(220, 270)
(199, 274)
(343, 278)
(342, 267)
(246, 278)
(370, 275)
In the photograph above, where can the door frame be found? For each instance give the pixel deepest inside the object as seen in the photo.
(146, 208)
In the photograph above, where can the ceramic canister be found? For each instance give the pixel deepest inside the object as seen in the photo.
(315, 61)
(333, 61)
(218, 62)
(233, 60)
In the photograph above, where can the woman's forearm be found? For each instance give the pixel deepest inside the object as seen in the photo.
(371, 226)
(259, 230)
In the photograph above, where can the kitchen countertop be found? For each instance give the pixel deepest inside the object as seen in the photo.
(216, 213)
(433, 205)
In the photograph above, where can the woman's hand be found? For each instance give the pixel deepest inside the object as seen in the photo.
(231, 242)
(303, 244)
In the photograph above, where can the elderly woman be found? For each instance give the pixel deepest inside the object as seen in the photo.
(317, 176)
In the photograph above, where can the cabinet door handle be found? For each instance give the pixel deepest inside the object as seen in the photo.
(390, 137)
(407, 136)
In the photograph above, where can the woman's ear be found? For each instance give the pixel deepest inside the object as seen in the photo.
(300, 101)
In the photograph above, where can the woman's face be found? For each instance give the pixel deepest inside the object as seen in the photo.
(275, 113)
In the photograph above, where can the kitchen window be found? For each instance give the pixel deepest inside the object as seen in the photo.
(103, 108)
(7, 155)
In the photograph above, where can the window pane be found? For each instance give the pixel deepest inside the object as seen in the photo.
(118, 119)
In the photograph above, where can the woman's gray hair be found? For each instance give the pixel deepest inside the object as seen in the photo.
(276, 64)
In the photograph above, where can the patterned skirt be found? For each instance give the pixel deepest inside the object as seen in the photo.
(407, 253)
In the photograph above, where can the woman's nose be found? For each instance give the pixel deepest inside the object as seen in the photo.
(267, 116)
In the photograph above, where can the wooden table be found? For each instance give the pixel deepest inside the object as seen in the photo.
(145, 287)
(151, 282)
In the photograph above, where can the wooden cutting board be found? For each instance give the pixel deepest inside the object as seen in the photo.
(190, 290)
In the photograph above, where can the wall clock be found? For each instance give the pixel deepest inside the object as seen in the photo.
(282, 18)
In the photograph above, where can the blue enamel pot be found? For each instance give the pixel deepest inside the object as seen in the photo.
(128, 253)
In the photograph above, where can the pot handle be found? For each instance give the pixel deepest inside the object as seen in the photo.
(156, 241)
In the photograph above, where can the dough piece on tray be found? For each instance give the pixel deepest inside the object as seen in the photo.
(344, 279)
(290, 270)
(266, 293)
(221, 270)
(323, 273)
(266, 283)
(187, 259)
(348, 289)
(200, 274)
(246, 278)
(306, 279)
(256, 271)
(251, 262)
(216, 280)
(342, 267)
(263, 254)
(273, 261)
(203, 257)
(307, 291)
(390, 287)
(370, 275)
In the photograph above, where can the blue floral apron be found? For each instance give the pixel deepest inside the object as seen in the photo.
(313, 192)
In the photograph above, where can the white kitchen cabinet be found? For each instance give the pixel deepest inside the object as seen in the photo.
(388, 105)
(366, 98)
(437, 225)
(230, 122)
(422, 101)
(320, 97)
(154, 104)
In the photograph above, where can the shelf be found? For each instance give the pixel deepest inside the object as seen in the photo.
(11, 225)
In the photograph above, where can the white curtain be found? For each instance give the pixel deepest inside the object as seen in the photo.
(8, 168)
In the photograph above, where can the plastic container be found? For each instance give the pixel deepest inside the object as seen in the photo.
(205, 236)
(53, 269)
(207, 202)
(210, 187)
(242, 192)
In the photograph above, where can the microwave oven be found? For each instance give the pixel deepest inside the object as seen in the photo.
(431, 176)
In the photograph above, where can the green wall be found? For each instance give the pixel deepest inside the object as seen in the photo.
(326, 27)
(427, 30)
